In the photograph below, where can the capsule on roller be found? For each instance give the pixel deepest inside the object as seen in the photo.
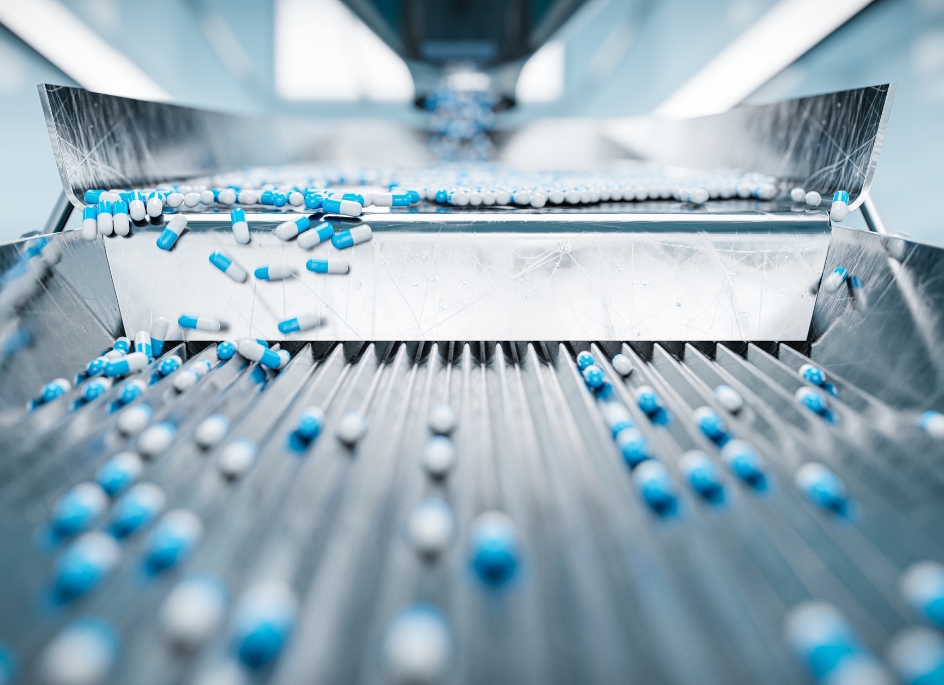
(169, 365)
(494, 548)
(335, 205)
(142, 343)
(136, 509)
(118, 473)
(263, 623)
(192, 611)
(155, 205)
(77, 509)
(172, 540)
(158, 335)
(236, 458)
(254, 352)
(840, 207)
(120, 219)
(105, 219)
(834, 280)
(123, 344)
(83, 565)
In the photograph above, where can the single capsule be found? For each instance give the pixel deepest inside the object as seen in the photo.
(729, 398)
(840, 206)
(83, 565)
(254, 352)
(633, 446)
(277, 272)
(201, 367)
(90, 222)
(120, 219)
(211, 431)
(858, 293)
(263, 623)
(199, 323)
(494, 548)
(798, 195)
(648, 400)
(318, 234)
(225, 264)
(185, 380)
(158, 335)
(655, 486)
(191, 199)
(328, 266)
(302, 322)
(442, 419)
(584, 359)
(274, 198)
(174, 200)
(335, 205)
(822, 487)
(352, 427)
(118, 473)
(133, 420)
(745, 463)
(136, 509)
(95, 388)
(439, 456)
(813, 374)
(172, 231)
(156, 439)
(351, 237)
(917, 655)
(155, 207)
(617, 417)
(236, 458)
(122, 344)
(812, 399)
(418, 647)
(291, 229)
(593, 376)
(96, 366)
(169, 365)
(813, 199)
(83, 653)
(711, 425)
(142, 344)
(431, 527)
(207, 197)
(247, 197)
(239, 225)
(77, 509)
(105, 219)
(226, 196)
(834, 281)
(123, 366)
(310, 425)
(129, 392)
(313, 200)
(54, 389)
(193, 610)
(922, 587)
(225, 350)
(172, 540)
(703, 476)
(622, 365)
(136, 208)
(932, 423)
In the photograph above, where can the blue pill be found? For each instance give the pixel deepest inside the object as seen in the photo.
(91, 196)
(313, 200)
(703, 476)
(83, 565)
(131, 391)
(225, 350)
(172, 540)
(633, 446)
(402, 199)
(263, 623)
(648, 400)
(96, 366)
(136, 509)
(310, 424)
(812, 399)
(922, 587)
(95, 388)
(813, 374)
(54, 389)
(118, 473)
(617, 417)
(122, 344)
(169, 365)
(745, 463)
(78, 509)
(711, 425)
(593, 375)
(584, 359)
(822, 487)
(655, 486)
(494, 548)
(825, 642)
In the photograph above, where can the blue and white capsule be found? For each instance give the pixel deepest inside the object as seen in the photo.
(83, 653)
(263, 623)
(745, 463)
(337, 205)
(328, 266)
(494, 548)
(192, 611)
(634, 446)
(291, 229)
(136, 509)
(616, 416)
(813, 399)
(859, 297)
(90, 222)
(225, 350)
(318, 233)
(172, 540)
(83, 565)
(703, 476)
(622, 365)
(237, 458)
(932, 423)
(840, 207)
(648, 400)
(584, 359)
(917, 655)
(54, 389)
(158, 335)
(593, 376)
(129, 392)
(169, 365)
(302, 322)
(310, 424)
(155, 206)
(136, 207)
(211, 431)
(130, 363)
(196, 322)
(172, 231)
(275, 272)
(121, 222)
(224, 263)
(922, 587)
(95, 388)
(729, 398)
(118, 473)
(834, 280)
(77, 510)
(822, 487)
(254, 352)
(240, 227)
(156, 439)
(105, 219)
(92, 195)
(813, 374)
(142, 344)
(711, 425)
(122, 344)
(655, 486)
(351, 237)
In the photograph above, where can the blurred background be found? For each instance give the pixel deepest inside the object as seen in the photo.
(552, 59)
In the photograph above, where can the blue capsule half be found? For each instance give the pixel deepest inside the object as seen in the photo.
(122, 344)
(169, 365)
(225, 350)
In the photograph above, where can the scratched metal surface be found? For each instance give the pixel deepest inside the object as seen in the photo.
(468, 277)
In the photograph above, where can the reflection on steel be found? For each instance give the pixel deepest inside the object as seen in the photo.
(451, 277)
(823, 143)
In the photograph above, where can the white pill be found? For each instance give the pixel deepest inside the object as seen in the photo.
(84, 653)
(192, 611)
(236, 458)
(185, 380)
(174, 200)
(207, 197)
(191, 199)
(248, 197)
(729, 398)
(813, 198)
(227, 196)
(211, 431)
(156, 439)
(418, 647)
(917, 655)
(351, 428)
(622, 365)
(133, 420)
(383, 199)
(439, 456)
(798, 195)
(442, 419)
(538, 200)
(431, 527)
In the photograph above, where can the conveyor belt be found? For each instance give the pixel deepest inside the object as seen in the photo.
(607, 590)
